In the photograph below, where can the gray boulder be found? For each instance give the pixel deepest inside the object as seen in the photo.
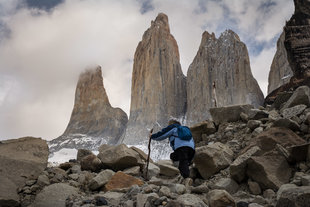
(229, 113)
(294, 196)
(83, 153)
(54, 195)
(293, 111)
(238, 168)
(212, 158)
(91, 162)
(119, 157)
(191, 200)
(166, 168)
(143, 199)
(8, 193)
(205, 127)
(287, 123)
(101, 179)
(300, 96)
(227, 184)
(220, 198)
(270, 171)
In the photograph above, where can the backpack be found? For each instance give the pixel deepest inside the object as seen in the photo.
(184, 133)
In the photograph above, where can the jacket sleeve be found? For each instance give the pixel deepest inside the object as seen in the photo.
(164, 133)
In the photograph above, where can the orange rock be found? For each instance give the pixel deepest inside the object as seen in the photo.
(122, 180)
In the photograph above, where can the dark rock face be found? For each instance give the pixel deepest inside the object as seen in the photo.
(93, 120)
(297, 39)
(220, 75)
(280, 70)
(158, 89)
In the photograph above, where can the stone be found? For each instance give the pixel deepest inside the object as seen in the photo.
(227, 184)
(112, 198)
(83, 153)
(43, 180)
(66, 165)
(167, 169)
(119, 157)
(268, 140)
(93, 119)
(284, 187)
(293, 111)
(256, 114)
(300, 96)
(153, 170)
(122, 180)
(191, 200)
(92, 163)
(269, 194)
(54, 195)
(220, 198)
(270, 171)
(238, 168)
(253, 124)
(22, 159)
(228, 113)
(76, 169)
(179, 189)
(156, 63)
(201, 189)
(142, 199)
(205, 127)
(164, 191)
(134, 171)
(254, 188)
(212, 158)
(218, 78)
(8, 193)
(274, 115)
(100, 201)
(287, 123)
(255, 205)
(299, 153)
(244, 117)
(294, 196)
(142, 155)
(101, 179)
(305, 180)
(280, 71)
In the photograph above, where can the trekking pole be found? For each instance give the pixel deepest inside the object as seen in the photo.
(148, 156)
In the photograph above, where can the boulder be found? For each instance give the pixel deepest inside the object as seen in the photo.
(227, 184)
(287, 123)
(253, 124)
(142, 155)
(191, 201)
(293, 111)
(220, 198)
(270, 171)
(119, 157)
(83, 153)
(8, 193)
(256, 114)
(101, 179)
(294, 196)
(300, 96)
(238, 168)
(22, 159)
(229, 113)
(268, 140)
(134, 171)
(122, 180)
(112, 198)
(166, 168)
(205, 127)
(143, 199)
(212, 158)
(254, 188)
(54, 195)
(92, 163)
(153, 170)
(299, 153)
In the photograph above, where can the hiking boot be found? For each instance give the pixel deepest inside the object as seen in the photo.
(188, 182)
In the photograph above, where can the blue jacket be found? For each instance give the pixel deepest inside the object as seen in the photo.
(171, 132)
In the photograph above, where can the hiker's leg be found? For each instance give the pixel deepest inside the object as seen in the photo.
(191, 155)
(174, 156)
(183, 158)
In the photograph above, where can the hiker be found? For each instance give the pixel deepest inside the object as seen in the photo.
(184, 148)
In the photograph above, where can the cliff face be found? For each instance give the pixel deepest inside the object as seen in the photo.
(297, 40)
(92, 115)
(280, 70)
(220, 75)
(158, 89)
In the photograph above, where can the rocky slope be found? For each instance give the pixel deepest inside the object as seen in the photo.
(259, 159)
(220, 71)
(93, 120)
(158, 89)
(280, 71)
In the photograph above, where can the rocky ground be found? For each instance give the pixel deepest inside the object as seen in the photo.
(244, 157)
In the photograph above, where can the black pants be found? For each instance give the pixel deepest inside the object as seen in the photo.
(184, 155)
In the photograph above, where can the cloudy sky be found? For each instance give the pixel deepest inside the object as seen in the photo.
(45, 44)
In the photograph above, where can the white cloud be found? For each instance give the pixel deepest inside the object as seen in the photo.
(46, 51)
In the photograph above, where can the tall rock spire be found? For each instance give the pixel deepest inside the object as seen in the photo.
(93, 117)
(158, 89)
(280, 71)
(220, 75)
